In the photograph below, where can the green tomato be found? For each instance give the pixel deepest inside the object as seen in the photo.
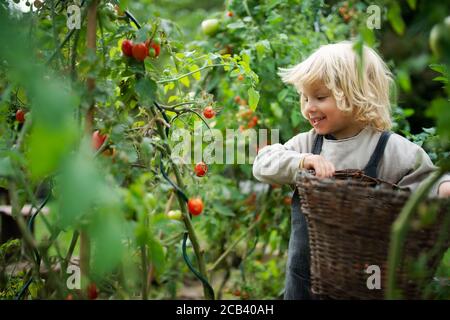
(151, 200)
(210, 26)
(440, 38)
(175, 215)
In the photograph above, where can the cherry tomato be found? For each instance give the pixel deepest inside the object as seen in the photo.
(20, 116)
(200, 169)
(127, 48)
(209, 112)
(92, 291)
(140, 51)
(98, 139)
(195, 206)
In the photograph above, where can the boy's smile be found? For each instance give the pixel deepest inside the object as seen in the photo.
(319, 107)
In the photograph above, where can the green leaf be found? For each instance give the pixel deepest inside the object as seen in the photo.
(275, 107)
(440, 110)
(146, 90)
(236, 25)
(253, 98)
(404, 80)
(185, 81)
(6, 168)
(395, 18)
(412, 4)
(223, 210)
(156, 255)
(438, 68)
(197, 75)
(295, 117)
(143, 33)
(262, 47)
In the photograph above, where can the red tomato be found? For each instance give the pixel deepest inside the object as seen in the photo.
(200, 169)
(140, 51)
(230, 13)
(127, 48)
(240, 77)
(20, 116)
(92, 291)
(98, 139)
(195, 206)
(209, 112)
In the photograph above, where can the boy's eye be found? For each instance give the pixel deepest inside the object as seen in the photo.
(322, 98)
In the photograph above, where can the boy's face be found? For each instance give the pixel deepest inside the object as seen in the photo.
(322, 112)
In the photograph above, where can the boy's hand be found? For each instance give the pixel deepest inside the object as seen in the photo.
(444, 189)
(323, 167)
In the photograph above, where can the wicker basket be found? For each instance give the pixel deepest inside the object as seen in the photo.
(349, 220)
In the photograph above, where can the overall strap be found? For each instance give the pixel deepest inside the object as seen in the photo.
(317, 147)
(372, 165)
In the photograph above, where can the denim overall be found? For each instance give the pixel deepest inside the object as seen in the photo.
(298, 283)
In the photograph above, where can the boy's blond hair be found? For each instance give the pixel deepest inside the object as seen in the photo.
(365, 95)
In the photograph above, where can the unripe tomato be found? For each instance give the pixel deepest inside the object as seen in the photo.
(200, 169)
(175, 215)
(127, 48)
(195, 206)
(20, 116)
(209, 112)
(98, 139)
(155, 45)
(140, 51)
(210, 26)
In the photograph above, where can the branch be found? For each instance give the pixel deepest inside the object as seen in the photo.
(192, 72)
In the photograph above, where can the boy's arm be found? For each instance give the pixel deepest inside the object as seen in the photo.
(419, 170)
(279, 163)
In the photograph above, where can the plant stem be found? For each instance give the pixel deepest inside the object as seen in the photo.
(144, 272)
(91, 34)
(192, 72)
(182, 203)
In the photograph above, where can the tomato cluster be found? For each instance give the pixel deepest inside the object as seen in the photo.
(141, 50)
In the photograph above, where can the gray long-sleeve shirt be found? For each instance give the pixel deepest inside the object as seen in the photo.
(403, 163)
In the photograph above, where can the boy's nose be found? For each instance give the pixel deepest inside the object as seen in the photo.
(310, 107)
